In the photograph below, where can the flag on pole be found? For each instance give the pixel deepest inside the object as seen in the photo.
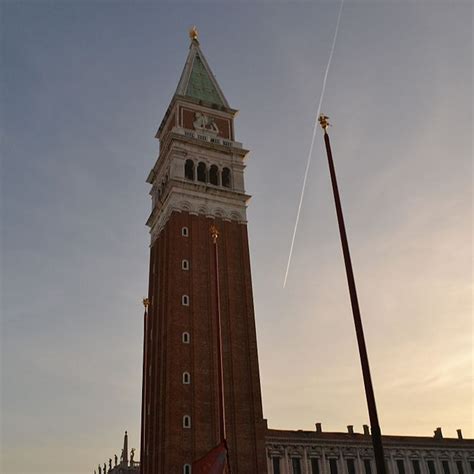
(214, 462)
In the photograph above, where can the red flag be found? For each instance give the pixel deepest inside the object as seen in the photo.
(214, 462)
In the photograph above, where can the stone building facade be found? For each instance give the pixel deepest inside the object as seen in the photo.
(318, 452)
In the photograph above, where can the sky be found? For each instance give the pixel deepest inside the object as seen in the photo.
(84, 86)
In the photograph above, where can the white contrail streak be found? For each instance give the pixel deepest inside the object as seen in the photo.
(312, 142)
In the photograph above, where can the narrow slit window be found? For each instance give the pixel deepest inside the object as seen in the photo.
(187, 469)
(185, 300)
(185, 264)
(186, 338)
(184, 231)
(186, 378)
(186, 421)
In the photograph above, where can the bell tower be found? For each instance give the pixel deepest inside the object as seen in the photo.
(197, 181)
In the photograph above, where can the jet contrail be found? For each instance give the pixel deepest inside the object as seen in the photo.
(312, 142)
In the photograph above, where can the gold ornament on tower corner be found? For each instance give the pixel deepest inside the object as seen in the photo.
(146, 302)
(193, 33)
(214, 233)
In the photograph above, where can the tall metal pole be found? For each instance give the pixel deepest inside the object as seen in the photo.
(144, 461)
(220, 365)
(364, 360)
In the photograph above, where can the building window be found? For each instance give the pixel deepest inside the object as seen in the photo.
(314, 466)
(186, 338)
(416, 466)
(186, 378)
(214, 175)
(276, 465)
(296, 465)
(186, 421)
(189, 170)
(201, 172)
(400, 466)
(351, 466)
(185, 264)
(226, 182)
(445, 465)
(431, 466)
(471, 463)
(185, 300)
(333, 466)
(367, 466)
(184, 231)
(459, 467)
(187, 469)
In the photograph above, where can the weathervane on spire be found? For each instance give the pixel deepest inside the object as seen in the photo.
(193, 33)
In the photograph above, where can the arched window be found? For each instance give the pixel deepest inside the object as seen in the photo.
(186, 338)
(185, 300)
(226, 178)
(186, 421)
(201, 172)
(184, 231)
(187, 469)
(214, 175)
(189, 170)
(185, 264)
(186, 378)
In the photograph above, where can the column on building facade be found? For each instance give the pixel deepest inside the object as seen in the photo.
(287, 462)
(342, 464)
(269, 462)
(324, 469)
(391, 467)
(360, 464)
(306, 460)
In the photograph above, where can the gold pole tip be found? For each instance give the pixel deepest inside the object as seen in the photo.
(324, 121)
(146, 302)
(214, 232)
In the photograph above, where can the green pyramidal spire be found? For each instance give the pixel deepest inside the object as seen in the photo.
(197, 80)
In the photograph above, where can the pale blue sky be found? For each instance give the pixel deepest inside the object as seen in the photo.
(84, 87)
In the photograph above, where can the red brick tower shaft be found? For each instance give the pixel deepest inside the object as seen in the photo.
(198, 180)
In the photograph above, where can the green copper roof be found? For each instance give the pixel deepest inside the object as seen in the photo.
(200, 85)
(197, 80)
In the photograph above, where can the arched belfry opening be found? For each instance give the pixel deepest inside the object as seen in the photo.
(189, 170)
(201, 172)
(214, 175)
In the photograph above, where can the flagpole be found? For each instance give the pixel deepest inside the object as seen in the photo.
(369, 390)
(146, 303)
(222, 430)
